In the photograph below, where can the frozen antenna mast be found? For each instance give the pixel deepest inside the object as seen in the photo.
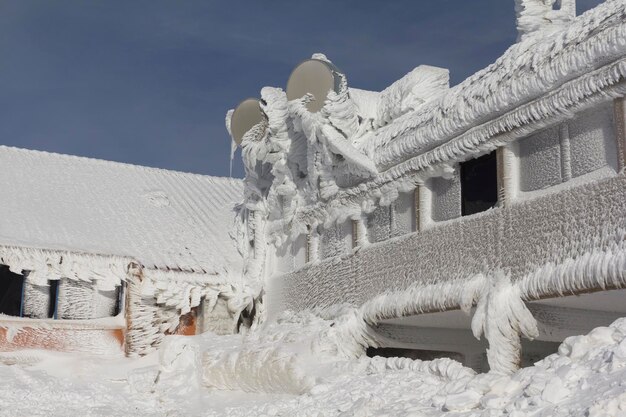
(533, 15)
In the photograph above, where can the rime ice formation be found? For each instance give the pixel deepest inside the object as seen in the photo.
(290, 355)
(496, 197)
(502, 316)
(533, 15)
(365, 201)
(149, 244)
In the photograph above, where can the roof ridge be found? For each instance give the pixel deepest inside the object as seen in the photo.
(118, 163)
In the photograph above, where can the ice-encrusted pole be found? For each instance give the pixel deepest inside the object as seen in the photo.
(503, 317)
(141, 332)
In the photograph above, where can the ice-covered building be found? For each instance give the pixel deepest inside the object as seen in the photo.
(98, 256)
(495, 207)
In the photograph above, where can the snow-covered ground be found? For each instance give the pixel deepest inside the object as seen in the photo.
(309, 364)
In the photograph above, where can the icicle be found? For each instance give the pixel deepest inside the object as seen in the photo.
(233, 149)
(233, 144)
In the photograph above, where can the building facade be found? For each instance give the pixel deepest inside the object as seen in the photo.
(493, 208)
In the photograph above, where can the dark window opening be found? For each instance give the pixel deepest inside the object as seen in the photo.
(11, 292)
(120, 300)
(421, 354)
(535, 350)
(479, 184)
(54, 299)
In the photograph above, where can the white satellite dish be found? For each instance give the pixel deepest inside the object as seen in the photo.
(247, 114)
(315, 77)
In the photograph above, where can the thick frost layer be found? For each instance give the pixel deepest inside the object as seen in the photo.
(556, 74)
(364, 149)
(157, 300)
(549, 245)
(503, 317)
(550, 15)
(107, 272)
(585, 377)
(90, 284)
(164, 219)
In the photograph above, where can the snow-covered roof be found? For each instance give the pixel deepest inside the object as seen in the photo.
(163, 219)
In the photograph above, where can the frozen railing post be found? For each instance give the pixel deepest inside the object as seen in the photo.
(139, 320)
(533, 15)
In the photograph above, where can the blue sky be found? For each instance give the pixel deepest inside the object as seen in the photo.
(149, 82)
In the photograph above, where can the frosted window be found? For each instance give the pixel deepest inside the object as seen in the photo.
(403, 214)
(379, 225)
(540, 160)
(592, 140)
(446, 198)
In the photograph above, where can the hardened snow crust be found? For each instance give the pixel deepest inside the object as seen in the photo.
(317, 355)
(586, 377)
(295, 353)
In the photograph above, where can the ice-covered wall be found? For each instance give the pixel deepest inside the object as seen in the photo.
(88, 285)
(336, 239)
(81, 300)
(216, 317)
(559, 243)
(549, 231)
(89, 288)
(403, 216)
(157, 299)
(296, 159)
(582, 145)
(36, 300)
(379, 224)
(446, 197)
(540, 160)
(592, 142)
